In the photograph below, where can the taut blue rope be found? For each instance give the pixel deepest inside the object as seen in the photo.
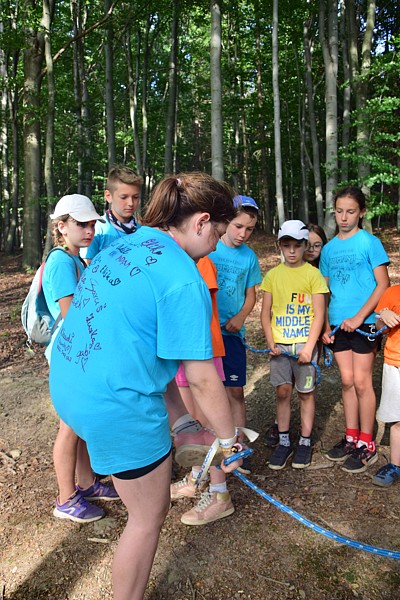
(325, 532)
(268, 350)
(360, 331)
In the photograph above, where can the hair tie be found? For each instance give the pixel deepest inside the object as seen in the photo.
(178, 182)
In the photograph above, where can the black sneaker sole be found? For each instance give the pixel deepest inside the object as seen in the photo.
(341, 459)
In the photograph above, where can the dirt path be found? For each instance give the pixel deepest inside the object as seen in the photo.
(257, 553)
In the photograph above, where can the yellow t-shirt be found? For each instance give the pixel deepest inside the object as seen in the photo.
(292, 310)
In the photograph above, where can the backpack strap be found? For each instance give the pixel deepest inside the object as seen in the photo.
(78, 274)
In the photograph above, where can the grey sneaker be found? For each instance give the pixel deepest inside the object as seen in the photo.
(280, 456)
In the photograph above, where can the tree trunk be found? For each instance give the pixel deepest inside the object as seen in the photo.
(330, 54)
(13, 100)
(319, 202)
(145, 133)
(277, 116)
(263, 185)
(109, 90)
(4, 149)
(48, 11)
(133, 80)
(344, 163)
(33, 60)
(172, 94)
(217, 159)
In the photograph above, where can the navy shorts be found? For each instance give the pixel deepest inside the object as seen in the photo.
(234, 361)
(358, 343)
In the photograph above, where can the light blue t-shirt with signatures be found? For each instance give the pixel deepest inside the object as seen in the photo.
(238, 269)
(349, 265)
(139, 309)
(104, 235)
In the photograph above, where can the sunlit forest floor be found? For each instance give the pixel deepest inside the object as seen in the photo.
(258, 553)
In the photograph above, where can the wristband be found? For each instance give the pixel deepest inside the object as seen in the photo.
(227, 443)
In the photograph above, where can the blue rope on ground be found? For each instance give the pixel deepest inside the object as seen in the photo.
(361, 332)
(341, 539)
(268, 350)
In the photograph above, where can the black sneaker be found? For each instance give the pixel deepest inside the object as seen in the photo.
(302, 457)
(341, 451)
(271, 438)
(280, 456)
(359, 460)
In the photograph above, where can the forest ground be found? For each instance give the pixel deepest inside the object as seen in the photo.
(258, 553)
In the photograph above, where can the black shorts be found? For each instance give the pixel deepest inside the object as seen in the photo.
(358, 343)
(136, 473)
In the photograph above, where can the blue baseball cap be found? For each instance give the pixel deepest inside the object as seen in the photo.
(240, 201)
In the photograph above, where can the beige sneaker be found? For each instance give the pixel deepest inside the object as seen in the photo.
(211, 507)
(185, 488)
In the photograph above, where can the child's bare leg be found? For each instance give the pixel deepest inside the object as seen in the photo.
(238, 407)
(307, 412)
(283, 399)
(349, 395)
(395, 444)
(147, 501)
(362, 368)
(64, 457)
(84, 473)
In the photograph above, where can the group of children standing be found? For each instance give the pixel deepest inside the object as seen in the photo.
(348, 275)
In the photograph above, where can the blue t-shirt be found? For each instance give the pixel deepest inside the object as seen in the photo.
(104, 235)
(238, 270)
(139, 309)
(349, 265)
(60, 278)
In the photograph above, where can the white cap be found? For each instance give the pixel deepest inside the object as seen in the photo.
(294, 229)
(78, 207)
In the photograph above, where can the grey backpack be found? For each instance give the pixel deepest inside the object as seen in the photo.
(36, 318)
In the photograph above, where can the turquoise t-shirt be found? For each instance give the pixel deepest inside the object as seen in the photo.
(139, 309)
(238, 269)
(60, 278)
(349, 264)
(104, 235)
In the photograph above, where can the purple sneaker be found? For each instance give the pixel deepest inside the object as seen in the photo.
(78, 509)
(99, 491)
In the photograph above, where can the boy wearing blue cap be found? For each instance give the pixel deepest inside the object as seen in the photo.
(238, 275)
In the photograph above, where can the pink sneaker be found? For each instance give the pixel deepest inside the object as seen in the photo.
(211, 507)
(191, 448)
(185, 488)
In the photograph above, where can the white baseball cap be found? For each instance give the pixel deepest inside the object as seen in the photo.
(294, 229)
(78, 207)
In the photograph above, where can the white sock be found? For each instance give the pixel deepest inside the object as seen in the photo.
(218, 487)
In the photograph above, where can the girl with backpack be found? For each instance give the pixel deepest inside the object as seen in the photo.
(74, 219)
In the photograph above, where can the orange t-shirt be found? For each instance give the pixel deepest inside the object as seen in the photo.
(391, 299)
(208, 271)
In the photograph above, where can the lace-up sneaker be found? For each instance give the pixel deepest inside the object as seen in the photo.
(211, 507)
(78, 509)
(341, 451)
(302, 457)
(359, 460)
(99, 491)
(386, 475)
(280, 456)
(191, 448)
(271, 438)
(186, 488)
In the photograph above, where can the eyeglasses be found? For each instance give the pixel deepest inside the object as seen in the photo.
(316, 246)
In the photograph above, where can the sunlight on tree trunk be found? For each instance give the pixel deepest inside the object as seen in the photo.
(277, 116)
(217, 160)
